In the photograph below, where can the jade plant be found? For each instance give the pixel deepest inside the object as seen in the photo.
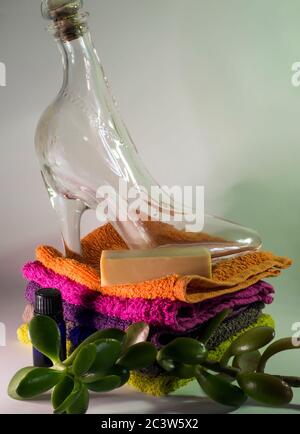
(104, 360)
(100, 364)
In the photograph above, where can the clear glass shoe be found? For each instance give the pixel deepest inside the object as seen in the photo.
(83, 144)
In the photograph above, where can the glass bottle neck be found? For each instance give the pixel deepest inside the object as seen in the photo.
(80, 63)
(85, 86)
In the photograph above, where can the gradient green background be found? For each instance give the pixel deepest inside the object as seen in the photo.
(205, 88)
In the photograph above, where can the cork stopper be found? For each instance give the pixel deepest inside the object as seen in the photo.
(59, 9)
(68, 18)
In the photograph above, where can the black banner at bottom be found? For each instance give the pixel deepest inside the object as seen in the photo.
(106, 423)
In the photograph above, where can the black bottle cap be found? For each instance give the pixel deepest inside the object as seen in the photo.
(48, 302)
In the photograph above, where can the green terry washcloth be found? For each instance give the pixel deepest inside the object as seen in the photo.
(165, 384)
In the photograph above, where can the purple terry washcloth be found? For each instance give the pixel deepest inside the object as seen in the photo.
(85, 317)
(80, 315)
(88, 319)
(174, 315)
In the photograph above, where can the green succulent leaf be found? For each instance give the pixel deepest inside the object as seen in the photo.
(45, 337)
(117, 370)
(167, 364)
(81, 403)
(182, 370)
(135, 334)
(114, 334)
(121, 372)
(182, 350)
(138, 356)
(275, 348)
(252, 340)
(61, 392)
(226, 377)
(247, 362)
(212, 325)
(220, 390)
(70, 396)
(266, 389)
(84, 359)
(105, 384)
(16, 380)
(31, 382)
(107, 353)
(92, 378)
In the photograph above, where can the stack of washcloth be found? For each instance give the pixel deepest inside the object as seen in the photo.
(172, 306)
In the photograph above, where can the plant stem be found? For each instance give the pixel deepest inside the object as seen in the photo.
(59, 367)
(291, 381)
(216, 367)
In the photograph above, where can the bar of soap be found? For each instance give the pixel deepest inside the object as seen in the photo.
(120, 267)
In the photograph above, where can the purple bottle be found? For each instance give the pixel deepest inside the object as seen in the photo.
(48, 302)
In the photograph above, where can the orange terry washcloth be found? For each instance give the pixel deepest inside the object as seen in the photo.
(228, 276)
